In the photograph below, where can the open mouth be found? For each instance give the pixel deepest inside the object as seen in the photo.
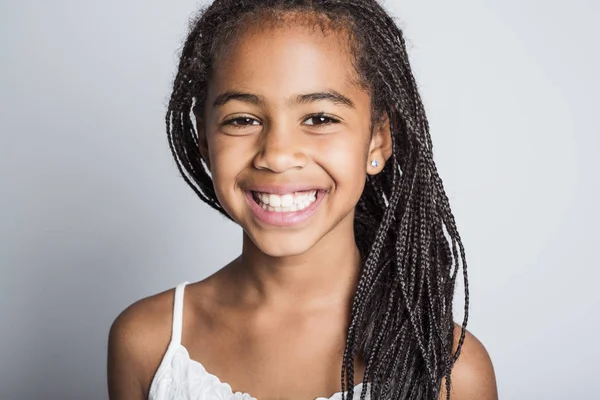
(289, 202)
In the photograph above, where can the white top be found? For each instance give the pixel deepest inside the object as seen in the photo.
(180, 378)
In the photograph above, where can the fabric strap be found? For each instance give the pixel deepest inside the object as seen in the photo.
(178, 313)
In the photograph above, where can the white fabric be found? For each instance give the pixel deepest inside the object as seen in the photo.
(180, 378)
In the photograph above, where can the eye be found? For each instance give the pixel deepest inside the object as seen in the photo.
(240, 122)
(321, 119)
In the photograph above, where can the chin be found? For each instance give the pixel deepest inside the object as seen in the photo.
(282, 245)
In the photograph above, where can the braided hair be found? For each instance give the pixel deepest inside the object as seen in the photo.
(401, 316)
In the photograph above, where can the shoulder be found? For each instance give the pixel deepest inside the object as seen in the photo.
(472, 376)
(137, 341)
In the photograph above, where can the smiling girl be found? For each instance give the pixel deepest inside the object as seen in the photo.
(301, 121)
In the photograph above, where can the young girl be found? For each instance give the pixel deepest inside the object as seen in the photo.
(301, 121)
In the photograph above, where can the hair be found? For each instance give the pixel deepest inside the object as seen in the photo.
(401, 316)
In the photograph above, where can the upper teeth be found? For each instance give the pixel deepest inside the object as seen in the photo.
(287, 202)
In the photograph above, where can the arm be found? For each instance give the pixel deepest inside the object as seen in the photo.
(123, 368)
(472, 376)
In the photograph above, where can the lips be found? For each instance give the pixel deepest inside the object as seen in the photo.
(284, 189)
(284, 206)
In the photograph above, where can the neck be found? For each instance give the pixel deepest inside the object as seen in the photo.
(324, 275)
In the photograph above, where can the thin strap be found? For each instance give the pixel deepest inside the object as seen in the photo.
(178, 313)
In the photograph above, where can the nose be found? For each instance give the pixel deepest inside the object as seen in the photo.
(281, 149)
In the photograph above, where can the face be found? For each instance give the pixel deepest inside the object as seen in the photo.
(286, 137)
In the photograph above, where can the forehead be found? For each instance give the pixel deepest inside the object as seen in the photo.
(278, 61)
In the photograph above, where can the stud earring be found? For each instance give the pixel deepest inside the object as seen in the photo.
(375, 163)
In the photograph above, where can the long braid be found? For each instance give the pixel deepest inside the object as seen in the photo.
(401, 317)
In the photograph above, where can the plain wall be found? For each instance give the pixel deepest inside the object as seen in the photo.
(94, 216)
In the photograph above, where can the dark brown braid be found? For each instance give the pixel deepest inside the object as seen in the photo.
(401, 318)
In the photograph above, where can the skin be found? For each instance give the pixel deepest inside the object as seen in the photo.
(272, 323)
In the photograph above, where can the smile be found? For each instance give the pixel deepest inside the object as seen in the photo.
(297, 201)
(284, 209)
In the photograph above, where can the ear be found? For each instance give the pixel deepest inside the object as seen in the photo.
(202, 141)
(380, 149)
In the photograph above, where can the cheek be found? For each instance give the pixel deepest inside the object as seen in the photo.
(228, 159)
(228, 155)
(346, 161)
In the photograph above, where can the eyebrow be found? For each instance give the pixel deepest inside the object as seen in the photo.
(329, 95)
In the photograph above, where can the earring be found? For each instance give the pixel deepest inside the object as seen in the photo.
(375, 163)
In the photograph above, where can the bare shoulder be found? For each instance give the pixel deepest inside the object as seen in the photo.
(472, 376)
(137, 341)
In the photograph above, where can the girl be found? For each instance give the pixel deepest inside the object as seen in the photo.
(300, 120)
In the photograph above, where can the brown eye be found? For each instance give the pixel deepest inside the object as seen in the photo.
(321, 119)
(240, 122)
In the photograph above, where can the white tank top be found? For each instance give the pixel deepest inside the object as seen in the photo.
(180, 378)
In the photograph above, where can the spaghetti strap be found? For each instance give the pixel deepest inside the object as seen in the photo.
(178, 313)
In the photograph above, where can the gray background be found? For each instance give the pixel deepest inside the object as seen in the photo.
(93, 215)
